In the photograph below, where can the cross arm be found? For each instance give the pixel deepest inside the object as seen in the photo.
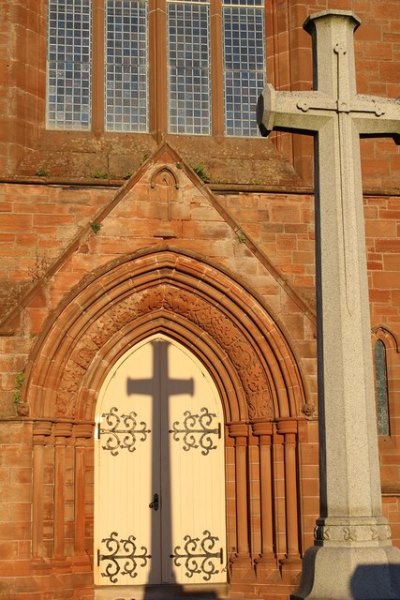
(139, 386)
(304, 112)
(377, 117)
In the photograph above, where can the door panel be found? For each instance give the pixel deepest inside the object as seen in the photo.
(196, 475)
(128, 450)
(160, 432)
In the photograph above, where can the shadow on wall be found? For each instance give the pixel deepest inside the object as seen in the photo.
(376, 582)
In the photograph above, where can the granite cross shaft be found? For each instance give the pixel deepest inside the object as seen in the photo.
(352, 556)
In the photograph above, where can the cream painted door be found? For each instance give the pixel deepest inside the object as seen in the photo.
(159, 472)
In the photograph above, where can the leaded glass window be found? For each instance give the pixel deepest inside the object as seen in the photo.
(189, 67)
(96, 45)
(69, 64)
(244, 64)
(126, 65)
(381, 389)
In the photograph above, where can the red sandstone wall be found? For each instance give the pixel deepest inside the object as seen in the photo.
(280, 226)
(25, 147)
(377, 51)
(38, 223)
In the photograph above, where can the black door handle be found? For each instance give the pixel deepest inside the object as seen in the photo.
(156, 502)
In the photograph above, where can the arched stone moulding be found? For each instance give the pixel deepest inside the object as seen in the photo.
(386, 336)
(164, 291)
(392, 349)
(164, 176)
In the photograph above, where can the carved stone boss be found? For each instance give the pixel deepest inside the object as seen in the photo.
(349, 469)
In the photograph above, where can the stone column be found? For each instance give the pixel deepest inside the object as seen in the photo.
(61, 431)
(267, 562)
(82, 434)
(292, 562)
(41, 432)
(241, 564)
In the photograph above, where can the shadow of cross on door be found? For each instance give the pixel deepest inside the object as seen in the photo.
(161, 388)
(160, 431)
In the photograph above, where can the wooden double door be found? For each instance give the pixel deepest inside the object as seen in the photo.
(159, 471)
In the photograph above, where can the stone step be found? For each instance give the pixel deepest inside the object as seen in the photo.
(167, 592)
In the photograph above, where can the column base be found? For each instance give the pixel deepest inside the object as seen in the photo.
(267, 570)
(81, 562)
(291, 570)
(345, 573)
(241, 569)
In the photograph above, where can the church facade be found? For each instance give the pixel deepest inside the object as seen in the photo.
(158, 333)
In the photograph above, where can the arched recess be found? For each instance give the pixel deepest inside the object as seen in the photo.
(199, 305)
(385, 347)
(229, 331)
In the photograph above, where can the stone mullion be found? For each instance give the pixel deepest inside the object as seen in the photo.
(98, 62)
(267, 559)
(217, 72)
(158, 84)
(289, 430)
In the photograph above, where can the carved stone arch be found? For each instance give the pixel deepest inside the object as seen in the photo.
(201, 344)
(198, 304)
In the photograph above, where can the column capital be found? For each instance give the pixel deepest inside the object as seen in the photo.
(262, 428)
(41, 432)
(238, 430)
(62, 429)
(42, 428)
(83, 431)
(287, 426)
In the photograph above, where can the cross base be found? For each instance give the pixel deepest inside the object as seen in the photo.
(354, 572)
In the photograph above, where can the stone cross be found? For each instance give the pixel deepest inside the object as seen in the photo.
(352, 555)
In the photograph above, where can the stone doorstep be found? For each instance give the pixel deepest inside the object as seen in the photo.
(166, 592)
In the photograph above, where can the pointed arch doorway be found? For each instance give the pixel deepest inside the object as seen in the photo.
(159, 470)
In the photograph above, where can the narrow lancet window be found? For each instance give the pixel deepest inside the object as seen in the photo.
(381, 389)
(126, 50)
(69, 64)
(189, 67)
(244, 66)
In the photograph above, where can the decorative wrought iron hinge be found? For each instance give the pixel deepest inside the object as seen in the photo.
(123, 431)
(124, 550)
(197, 431)
(199, 555)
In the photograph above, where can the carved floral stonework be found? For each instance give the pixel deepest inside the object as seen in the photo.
(345, 534)
(84, 352)
(171, 299)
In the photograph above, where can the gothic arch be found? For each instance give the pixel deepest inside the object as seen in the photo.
(131, 300)
(385, 350)
(386, 336)
(191, 301)
(164, 176)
